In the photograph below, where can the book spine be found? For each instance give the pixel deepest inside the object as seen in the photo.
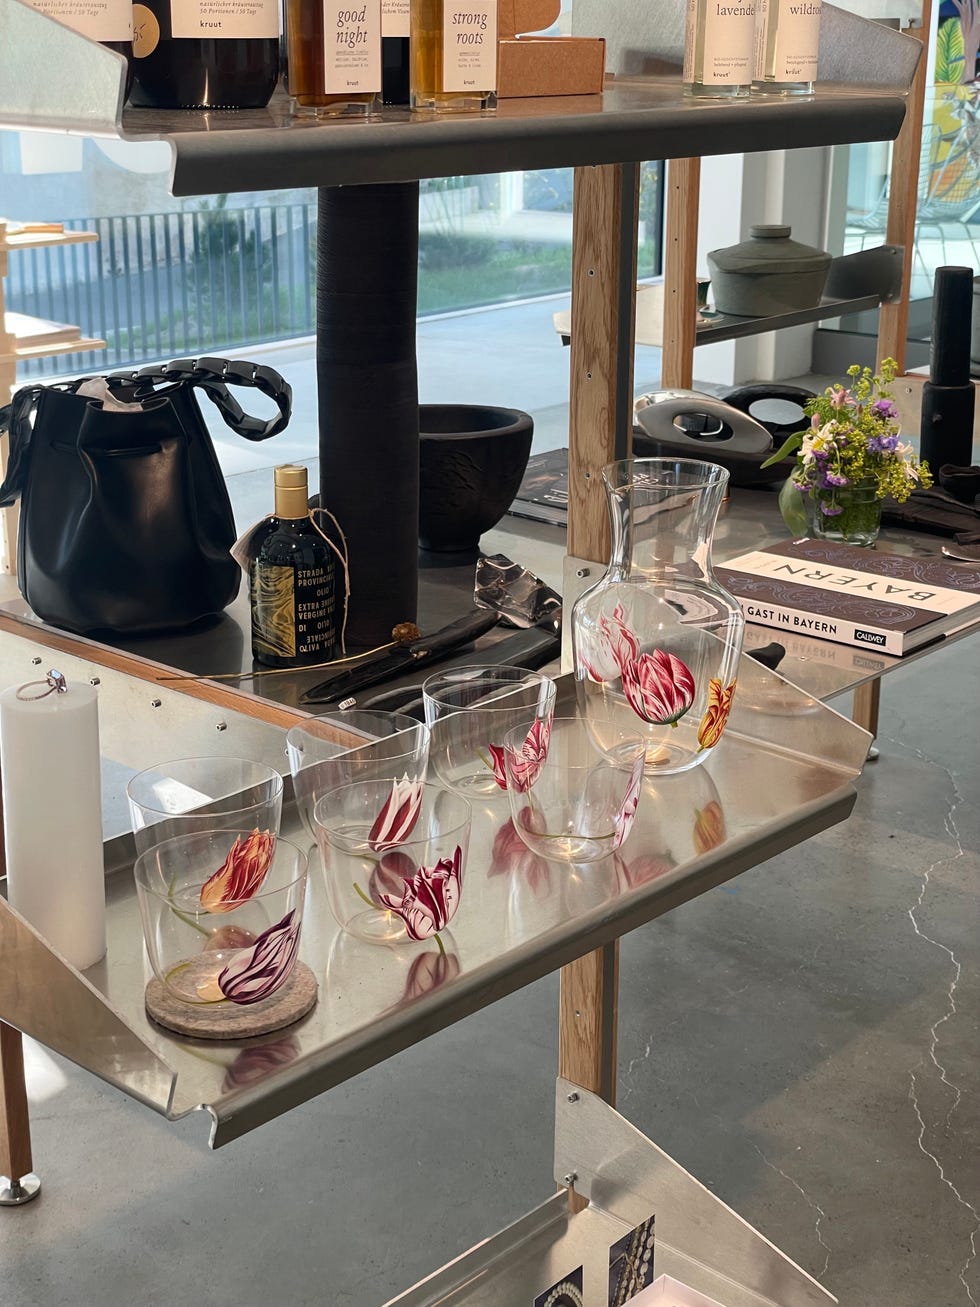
(860, 636)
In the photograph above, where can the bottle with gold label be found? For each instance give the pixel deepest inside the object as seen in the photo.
(292, 582)
(454, 55)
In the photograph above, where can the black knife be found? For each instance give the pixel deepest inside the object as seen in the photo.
(403, 658)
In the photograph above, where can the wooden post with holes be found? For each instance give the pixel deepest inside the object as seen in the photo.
(903, 194)
(680, 272)
(600, 422)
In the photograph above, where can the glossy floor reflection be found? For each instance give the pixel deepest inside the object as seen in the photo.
(804, 1040)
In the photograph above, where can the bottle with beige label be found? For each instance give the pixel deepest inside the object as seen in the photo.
(110, 22)
(334, 57)
(787, 36)
(454, 55)
(205, 54)
(718, 42)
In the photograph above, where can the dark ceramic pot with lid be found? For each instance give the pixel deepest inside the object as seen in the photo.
(768, 273)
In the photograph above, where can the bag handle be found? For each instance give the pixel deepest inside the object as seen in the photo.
(213, 376)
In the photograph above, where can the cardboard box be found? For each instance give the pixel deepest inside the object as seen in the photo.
(530, 65)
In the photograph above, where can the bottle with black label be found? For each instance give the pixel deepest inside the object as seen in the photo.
(205, 54)
(292, 582)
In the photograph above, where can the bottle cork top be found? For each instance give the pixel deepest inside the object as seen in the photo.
(291, 476)
(291, 491)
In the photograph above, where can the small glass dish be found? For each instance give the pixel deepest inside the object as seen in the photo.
(199, 794)
(393, 858)
(574, 801)
(469, 710)
(357, 745)
(221, 916)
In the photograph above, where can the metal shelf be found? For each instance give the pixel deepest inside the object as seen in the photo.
(644, 117)
(863, 280)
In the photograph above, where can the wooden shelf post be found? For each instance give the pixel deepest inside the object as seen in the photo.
(606, 211)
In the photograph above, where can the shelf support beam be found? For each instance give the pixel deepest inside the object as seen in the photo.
(604, 234)
(680, 273)
(903, 196)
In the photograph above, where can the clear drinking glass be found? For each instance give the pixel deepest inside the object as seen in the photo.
(469, 711)
(221, 918)
(196, 794)
(359, 745)
(575, 799)
(393, 860)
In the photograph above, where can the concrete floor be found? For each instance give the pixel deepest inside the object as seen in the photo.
(804, 1040)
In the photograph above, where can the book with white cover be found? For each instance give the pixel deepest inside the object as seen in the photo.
(864, 597)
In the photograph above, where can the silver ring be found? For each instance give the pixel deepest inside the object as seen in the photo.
(54, 683)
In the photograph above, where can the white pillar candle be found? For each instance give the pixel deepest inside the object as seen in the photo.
(52, 812)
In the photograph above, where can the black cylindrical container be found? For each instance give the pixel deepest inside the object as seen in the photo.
(367, 286)
(188, 55)
(948, 397)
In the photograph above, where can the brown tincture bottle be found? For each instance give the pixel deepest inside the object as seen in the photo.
(335, 54)
(192, 55)
(292, 582)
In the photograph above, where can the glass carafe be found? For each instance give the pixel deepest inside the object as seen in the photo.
(656, 640)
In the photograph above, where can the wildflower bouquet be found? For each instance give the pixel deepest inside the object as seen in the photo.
(850, 457)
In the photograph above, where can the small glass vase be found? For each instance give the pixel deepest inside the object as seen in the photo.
(849, 515)
(657, 639)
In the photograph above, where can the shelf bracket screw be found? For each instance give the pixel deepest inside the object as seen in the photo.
(569, 1180)
(156, 703)
(221, 726)
(572, 1097)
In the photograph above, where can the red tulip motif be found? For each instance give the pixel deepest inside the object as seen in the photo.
(659, 686)
(511, 855)
(522, 769)
(427, 972)
(398, 815)
(428, 901)
(253, 975)
(241, 874)
(631, 801)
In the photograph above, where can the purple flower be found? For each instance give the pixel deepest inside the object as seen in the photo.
(835, 479)
(254, 974)
(884, 408)
(837, 396)
(830, 510)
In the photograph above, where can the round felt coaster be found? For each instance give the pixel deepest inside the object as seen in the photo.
(234, 1020)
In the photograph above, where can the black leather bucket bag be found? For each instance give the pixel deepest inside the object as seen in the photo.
(126, 524)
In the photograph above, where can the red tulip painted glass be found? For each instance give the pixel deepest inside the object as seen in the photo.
(656, 640)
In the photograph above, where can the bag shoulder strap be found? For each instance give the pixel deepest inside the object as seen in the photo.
(16, 418)
(213, 376)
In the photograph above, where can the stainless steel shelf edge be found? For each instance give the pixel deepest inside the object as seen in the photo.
(234, 1116)
(47, 999)
(623, 1173)
(648, 39)
(858, 281)
(52, 79)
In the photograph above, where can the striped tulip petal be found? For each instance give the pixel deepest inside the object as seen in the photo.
(253, 975)
(241, 874)
(524, 768)
(631, 801)
(429, 900)
(496, 752)
(398, 815)
(659, 687)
